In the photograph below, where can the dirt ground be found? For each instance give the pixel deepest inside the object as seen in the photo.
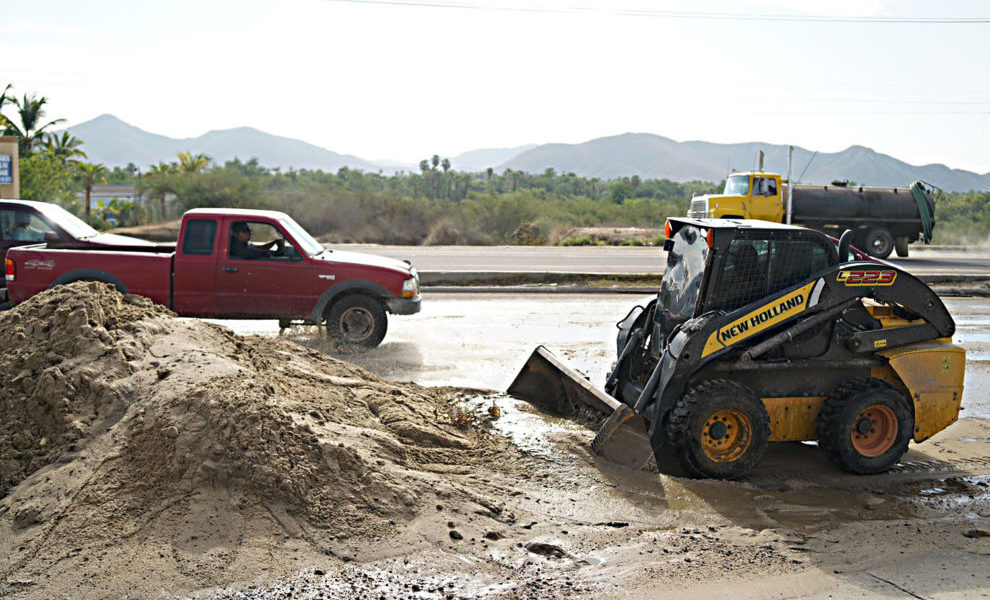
(146, 456)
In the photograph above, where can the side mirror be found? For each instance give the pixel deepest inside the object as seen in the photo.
(52, 238)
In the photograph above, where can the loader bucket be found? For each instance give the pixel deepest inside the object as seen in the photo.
(624, 439)
(552, 386)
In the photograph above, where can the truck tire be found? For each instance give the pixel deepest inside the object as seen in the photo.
(901, 246)
(864, 426)
(878, 243)
(719, 429)
(356, 321)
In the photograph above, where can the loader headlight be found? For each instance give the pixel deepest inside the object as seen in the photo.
(410, 287)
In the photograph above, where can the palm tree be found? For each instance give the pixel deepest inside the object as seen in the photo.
(190, 163)
(4, 124)
(64, 147)
(157, 181)
(30, 112)
(91, 174)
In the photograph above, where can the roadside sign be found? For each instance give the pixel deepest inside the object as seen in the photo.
(6, 169)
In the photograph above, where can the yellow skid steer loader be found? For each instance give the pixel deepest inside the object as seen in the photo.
(763, 332)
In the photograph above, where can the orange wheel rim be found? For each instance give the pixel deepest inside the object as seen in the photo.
(874, 430)
(726, 436)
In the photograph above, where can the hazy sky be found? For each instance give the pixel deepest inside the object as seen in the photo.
(406, 79)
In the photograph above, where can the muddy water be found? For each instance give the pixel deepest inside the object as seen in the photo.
(972, 317)
(481, 340)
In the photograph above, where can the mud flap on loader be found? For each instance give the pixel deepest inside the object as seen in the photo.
(550, 385)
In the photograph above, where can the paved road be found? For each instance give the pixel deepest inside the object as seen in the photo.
(618, 259)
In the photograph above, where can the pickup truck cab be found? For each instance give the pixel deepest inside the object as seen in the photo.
(24, 222)
(239, 264)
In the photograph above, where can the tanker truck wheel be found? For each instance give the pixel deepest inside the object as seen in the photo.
(901, 246)
(878, 243)
(718, 429)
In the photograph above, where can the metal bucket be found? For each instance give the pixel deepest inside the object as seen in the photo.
(552, 386)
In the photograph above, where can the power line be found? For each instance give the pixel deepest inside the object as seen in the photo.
(458, 5)
(805, 18)
(673, 14)
(871, 112)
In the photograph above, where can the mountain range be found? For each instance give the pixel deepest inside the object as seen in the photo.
(113, 142)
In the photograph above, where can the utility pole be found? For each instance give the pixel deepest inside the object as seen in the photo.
(790, 186)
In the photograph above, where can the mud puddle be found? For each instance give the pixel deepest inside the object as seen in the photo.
(527, 428)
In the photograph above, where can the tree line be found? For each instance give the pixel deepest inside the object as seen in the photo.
(437, 205)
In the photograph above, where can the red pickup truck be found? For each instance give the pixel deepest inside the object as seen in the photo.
(217, 270)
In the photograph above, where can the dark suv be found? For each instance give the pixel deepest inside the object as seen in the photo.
(27, 222)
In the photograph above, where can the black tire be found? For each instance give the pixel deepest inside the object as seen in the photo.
(356, 321)
(719, 429)
(865, 426)
(878, 243)
(6, 306)
(901, 246)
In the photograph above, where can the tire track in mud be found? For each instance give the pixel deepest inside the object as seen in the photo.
(907, 469)
(969, 465)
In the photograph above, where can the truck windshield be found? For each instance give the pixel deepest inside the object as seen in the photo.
(683, 277)
(737, 185)
(72, 224)
(306, 242)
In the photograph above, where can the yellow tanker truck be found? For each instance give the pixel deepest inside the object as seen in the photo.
(882, 219)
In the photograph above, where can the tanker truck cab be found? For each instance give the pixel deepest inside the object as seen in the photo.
(749, 195)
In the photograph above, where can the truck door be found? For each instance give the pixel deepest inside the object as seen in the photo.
(256, 277)
(194, 269)
(765, 203)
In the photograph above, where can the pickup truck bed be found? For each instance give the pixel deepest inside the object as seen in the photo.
(147, 273)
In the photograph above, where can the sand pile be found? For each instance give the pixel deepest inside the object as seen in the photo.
(122, 425)
(62, 352)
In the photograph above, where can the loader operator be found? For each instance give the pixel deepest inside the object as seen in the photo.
(241, 246)
(744, 282)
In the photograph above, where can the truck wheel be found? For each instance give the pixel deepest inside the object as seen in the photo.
(718, 429)
(357, 321)
(865, 426)
(878, 243)
(901, 246)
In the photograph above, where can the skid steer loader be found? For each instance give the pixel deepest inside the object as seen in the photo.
(763, 332)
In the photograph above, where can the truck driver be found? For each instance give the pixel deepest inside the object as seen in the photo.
(241, 246)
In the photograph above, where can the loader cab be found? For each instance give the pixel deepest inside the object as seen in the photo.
(724, 265)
